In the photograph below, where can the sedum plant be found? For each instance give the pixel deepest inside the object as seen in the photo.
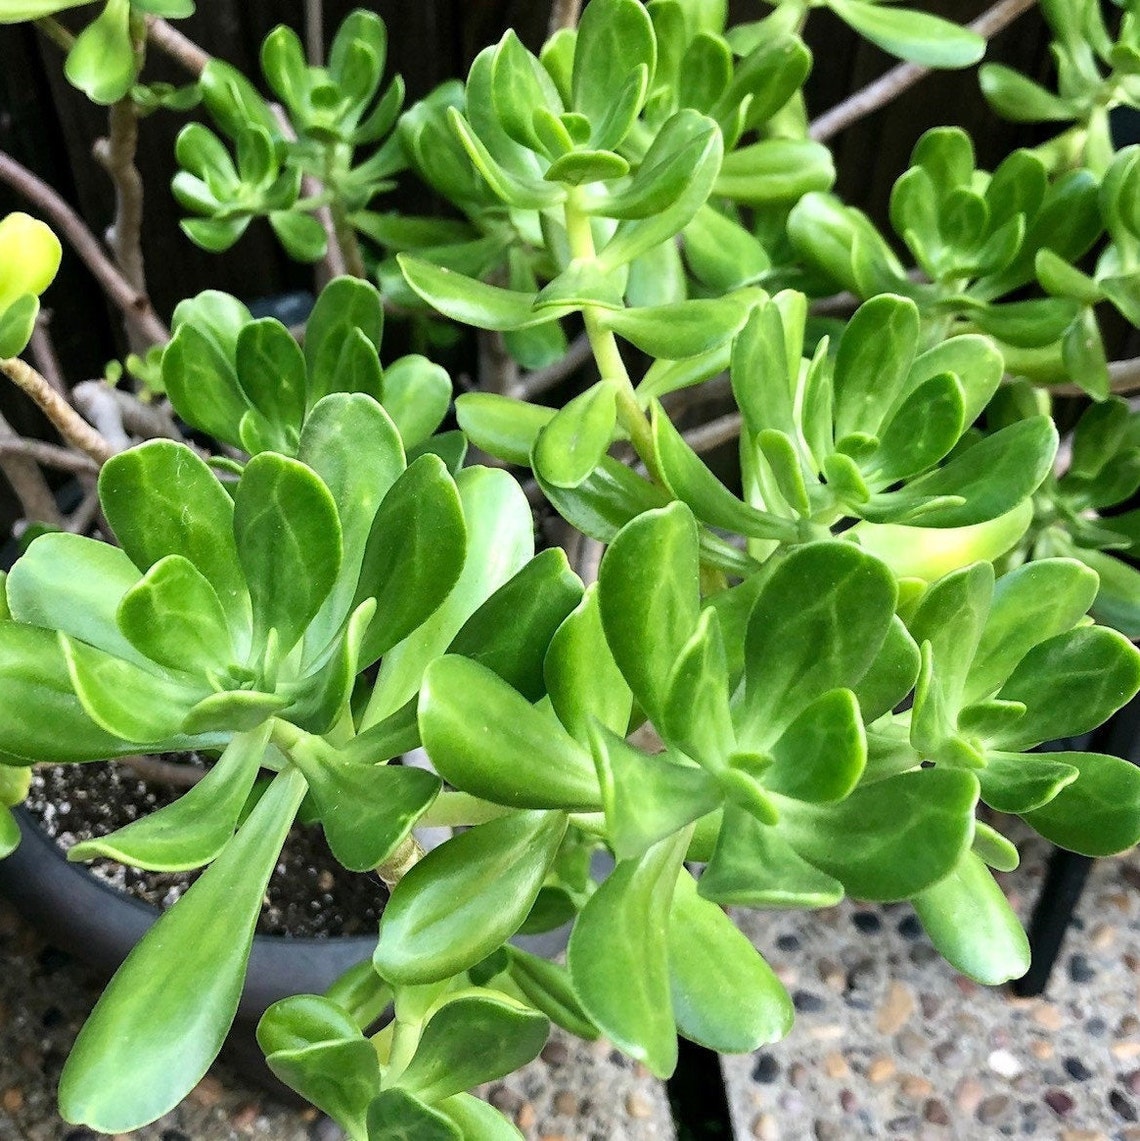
(834, 672)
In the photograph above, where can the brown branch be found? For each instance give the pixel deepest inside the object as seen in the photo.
(70, 425)
(80, 520)
(133, 304)
(714, 433)
(1123, 380)
(169, 40)
(564, 14)
(543, 379)
(889, 86)
(44, 354)
(314, 32)
(125, 411)
(152, 770)
(45, 454)
(93, 398)
(26, 479)
(116, 154)
(498, 371)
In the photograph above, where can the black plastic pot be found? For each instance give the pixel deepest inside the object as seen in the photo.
(98, 925)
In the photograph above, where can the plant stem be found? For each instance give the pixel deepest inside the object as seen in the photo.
(45, 454)
(346, 241)
(173, 43)
(888, 87)
(402, 860)
(20, 468)
(117, 155)
(543, 379)
(133, 304)
(631, 416)
(564, 14)
(71, 426)
(56, 32)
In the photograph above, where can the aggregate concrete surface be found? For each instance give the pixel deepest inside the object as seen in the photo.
(889, 1042)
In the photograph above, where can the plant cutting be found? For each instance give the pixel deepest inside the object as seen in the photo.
(841, 661)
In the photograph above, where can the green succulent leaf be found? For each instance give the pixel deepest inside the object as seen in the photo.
(912, 35)
(313, 1046)
(581, 675)
(1020, 782)
(101, 62)
(345, 305)
(614, 39)
(573, 442)
(502, 426)
(649, 599)
(683, 329)
(1099, 813)
(891, 839)
(289, 544)
(396, 1115)
(470, 1040)
(487, 739)
(817, 625)
(820, 757)
(972, 925)
(775, 172)
(414, 555)
(752, 865)
(466, 898)
(178, 1007)
(724, 995)
(647, 799)
(619, 956)
(500, 541)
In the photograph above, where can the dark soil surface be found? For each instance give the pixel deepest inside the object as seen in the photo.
(309, 893)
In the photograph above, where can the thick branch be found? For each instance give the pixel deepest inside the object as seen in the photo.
(134, 305)
(116, 153)
(498, 371)
(888, 87)
(22, 472)
(543, 379)
(169, 40)
(1123, 380)
(45, 454)
(564, 14)
(70, 425)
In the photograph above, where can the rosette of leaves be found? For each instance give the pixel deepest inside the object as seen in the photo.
(1095, 73)
(1085, 511)
(979, 237)
(29, 258)
(785, 769)
(626, 143)
(331, 111)
(248, 383)
(237, 620)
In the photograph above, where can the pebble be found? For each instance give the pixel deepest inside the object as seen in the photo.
(832, 975)
(555, 1052)
(909, 927)
(1102, 936)
(1132, 1080)
(788, 942)
(1075, 1068)
(806, 1002)
(1004, 1063)
(917, 1087)
(1122, 1106)
(1080, 969)
(565, 1103)
(12, 1099)
(1059, 1102)
(935, 1112)
(1048, 1016)
(1083, 1135)
(835, 1066)
(867, 922)
(505, 1100)
(1041, 1049)
(1125, 1050)
(766, 1069)
(208, 1092)
(880, 1070)
(829, 1131)
(526, 1116)
(896, 1008)
(911, 1045)
(968, 1094)
(993, 1107)
(765, 1128)
(638, 1106)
